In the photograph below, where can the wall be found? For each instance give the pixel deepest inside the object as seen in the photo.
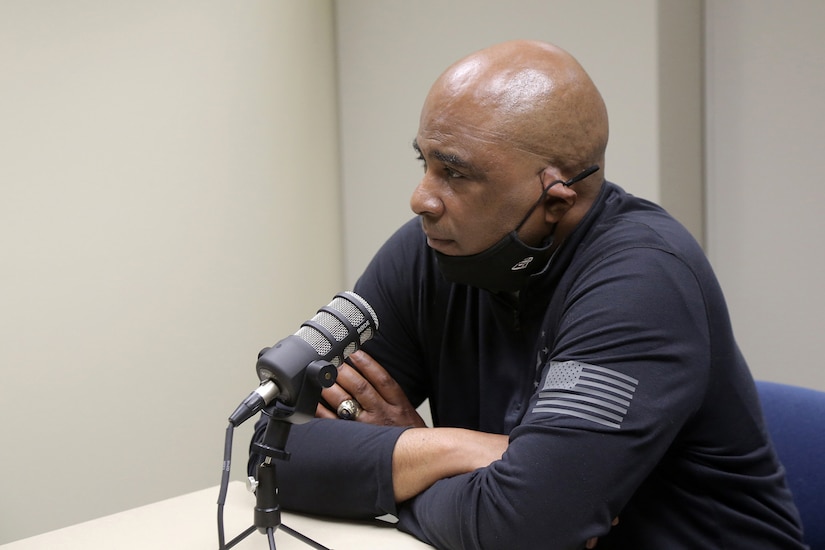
(390, 52)
(168, 206)
(765, 130)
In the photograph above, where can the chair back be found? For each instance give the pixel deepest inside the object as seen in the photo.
(795, 417)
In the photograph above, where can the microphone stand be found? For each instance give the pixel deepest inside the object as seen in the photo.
(267, 516)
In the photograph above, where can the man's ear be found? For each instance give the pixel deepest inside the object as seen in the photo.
(559, 198)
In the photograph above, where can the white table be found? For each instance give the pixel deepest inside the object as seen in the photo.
(189, 522)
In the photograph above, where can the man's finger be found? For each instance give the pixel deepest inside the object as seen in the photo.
(334, 394)
(323, 412)
(378, 377)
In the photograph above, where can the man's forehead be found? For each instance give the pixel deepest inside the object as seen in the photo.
(468, 143)
(448, 153)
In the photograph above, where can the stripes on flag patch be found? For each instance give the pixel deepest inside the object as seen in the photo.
(597, 394)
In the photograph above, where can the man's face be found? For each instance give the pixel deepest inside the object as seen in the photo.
(476, 187)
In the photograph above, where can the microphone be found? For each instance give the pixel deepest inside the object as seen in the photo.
(338, 329)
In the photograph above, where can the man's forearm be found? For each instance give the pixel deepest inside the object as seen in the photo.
(422, 456)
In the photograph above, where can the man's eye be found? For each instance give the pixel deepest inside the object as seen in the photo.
(446, 170)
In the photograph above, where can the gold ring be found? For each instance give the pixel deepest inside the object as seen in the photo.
(349, 409)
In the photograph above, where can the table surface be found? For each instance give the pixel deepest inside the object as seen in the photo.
(190, 522)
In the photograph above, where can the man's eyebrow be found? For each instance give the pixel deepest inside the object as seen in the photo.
(446, 158)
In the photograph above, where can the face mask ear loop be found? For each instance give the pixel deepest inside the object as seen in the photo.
(544, 191)
(578, 177)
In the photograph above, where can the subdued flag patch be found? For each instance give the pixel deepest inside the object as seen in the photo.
(589, 392)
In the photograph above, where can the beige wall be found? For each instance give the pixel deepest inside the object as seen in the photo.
(766, 130)
(169, 205)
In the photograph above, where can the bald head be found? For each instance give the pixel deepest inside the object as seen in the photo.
(531, 95)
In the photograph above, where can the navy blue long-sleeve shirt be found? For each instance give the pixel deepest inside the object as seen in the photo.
(616, 375)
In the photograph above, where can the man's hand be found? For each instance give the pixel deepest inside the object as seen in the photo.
(382, 399)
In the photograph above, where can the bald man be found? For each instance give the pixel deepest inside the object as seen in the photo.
(572, 341)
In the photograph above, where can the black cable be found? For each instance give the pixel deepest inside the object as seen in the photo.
(227, 461)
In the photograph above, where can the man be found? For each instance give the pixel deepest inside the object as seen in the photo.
(572, 340)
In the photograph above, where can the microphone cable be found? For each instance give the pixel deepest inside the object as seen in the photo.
(227, 461)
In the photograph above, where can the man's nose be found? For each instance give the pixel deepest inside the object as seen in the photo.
(425, 199)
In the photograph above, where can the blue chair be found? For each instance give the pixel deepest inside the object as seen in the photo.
(795, 417)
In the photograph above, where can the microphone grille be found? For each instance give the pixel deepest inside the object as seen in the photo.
(315, 338)
(347, 304)
(355, 315)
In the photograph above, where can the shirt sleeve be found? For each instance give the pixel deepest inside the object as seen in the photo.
(336, 468)
(623, 373)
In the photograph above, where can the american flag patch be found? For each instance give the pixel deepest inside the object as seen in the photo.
(597, 394)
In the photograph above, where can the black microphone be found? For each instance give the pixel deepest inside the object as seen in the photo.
(338, 329)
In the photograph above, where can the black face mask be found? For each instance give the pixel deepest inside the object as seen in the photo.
(507, 265)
